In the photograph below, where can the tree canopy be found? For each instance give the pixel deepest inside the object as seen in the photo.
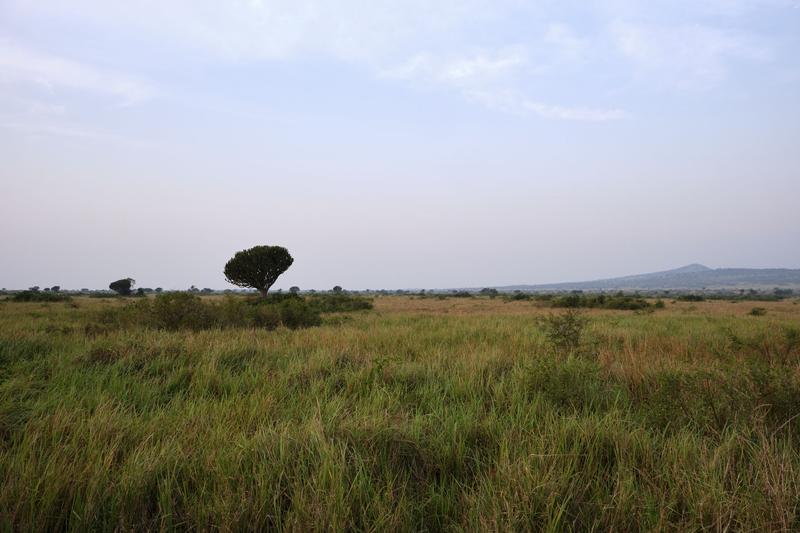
(122, 286)
(258, 267)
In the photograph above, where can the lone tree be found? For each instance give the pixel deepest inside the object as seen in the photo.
(294, 289)
(122, 286)
(258, 267)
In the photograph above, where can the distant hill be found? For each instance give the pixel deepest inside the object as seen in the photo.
(689, 277)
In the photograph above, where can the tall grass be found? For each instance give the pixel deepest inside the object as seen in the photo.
(402, 418)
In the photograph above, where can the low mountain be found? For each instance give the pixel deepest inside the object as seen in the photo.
(689, 277)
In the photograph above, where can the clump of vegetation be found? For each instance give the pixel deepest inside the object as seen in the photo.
(339, 303)
(691, 298)
(564, 331)
(758, 311)
(183, 310)
(40, 296)
(519, 296)
(461, 294)
(618, 301)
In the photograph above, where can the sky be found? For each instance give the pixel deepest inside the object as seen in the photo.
(396, 144)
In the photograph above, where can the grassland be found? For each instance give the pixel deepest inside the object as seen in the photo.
(421, 414)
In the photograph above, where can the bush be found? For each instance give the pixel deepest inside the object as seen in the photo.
(618, 301)
(691, 298)
(297, 313)
(461, 294)
(758, 311)
(563, 332)
(36, 296)
(338, 303)
(182, 310)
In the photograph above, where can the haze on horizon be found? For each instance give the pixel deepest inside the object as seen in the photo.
(392, 144)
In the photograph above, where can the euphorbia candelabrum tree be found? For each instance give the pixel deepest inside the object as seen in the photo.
(258, 267)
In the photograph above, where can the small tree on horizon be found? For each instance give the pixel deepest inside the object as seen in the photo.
(337, 289)
(258, 267)
(122, 286)
(294, 289)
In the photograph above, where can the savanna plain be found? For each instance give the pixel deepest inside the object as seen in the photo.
(419, 414)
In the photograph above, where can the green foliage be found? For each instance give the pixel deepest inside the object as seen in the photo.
(617, 301)
(691, 298)
(258, 267)
(461, 294)
(37, 296)
(564, 331)
(122, 286)
(339, 303)
(519, 296)
(758, 311)
(186, 311)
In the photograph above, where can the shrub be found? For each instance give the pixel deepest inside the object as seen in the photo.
(296, 313)
(691, 298)
(758, 311)
(182, 310)
(339, 303)
(618, 301)
(563, 332)
(36, 296)
(461, 294)
(520, 296)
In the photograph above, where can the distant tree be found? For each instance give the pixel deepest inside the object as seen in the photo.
(193, 289)
(47, 289)
(294, 289)
(337, 289)
(159, 289)
(489, 292)
(55, 288)
(34, 288)
(140, 292)
(207, 291)
(258, 267)
(122, 286)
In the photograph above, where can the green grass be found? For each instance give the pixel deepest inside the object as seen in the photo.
(399, 419)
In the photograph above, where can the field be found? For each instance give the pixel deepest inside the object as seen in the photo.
(420, 414)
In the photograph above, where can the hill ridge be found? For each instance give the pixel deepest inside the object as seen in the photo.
(692, 276)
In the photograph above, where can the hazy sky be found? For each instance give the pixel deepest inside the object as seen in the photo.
(390, 144)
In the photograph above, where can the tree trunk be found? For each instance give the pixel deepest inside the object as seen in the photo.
(263, 292)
